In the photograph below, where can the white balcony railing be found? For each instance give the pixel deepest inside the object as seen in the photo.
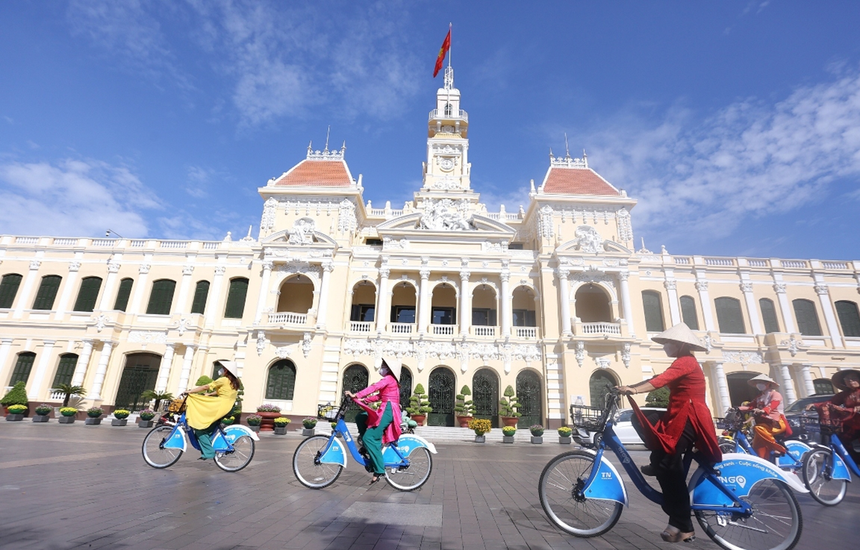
(401, 328)
(57, 396)
(526, 332)
(613, 329)
(450, 115)
(443, 330)
(360, 326)
(484, 331)
(288, 318)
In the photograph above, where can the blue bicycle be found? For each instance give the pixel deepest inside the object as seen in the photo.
(827, 468)
(165, 443)
(735, 440)
(319, 459)
(742, 503)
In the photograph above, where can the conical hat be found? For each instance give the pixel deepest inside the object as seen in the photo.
(762, 378)
(230, 366)
(838, 379)
(680, 333)
(395, 366)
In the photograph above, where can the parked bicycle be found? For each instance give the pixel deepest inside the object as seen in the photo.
(320, 459)
(735, 440)
(165, 443)
(827, 468)
(742, 503)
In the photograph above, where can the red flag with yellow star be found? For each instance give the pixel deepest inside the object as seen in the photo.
(446, 45)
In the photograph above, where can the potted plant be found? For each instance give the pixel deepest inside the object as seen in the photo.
(308, 424)
(254, 421)
(94, 416)
(537, 434)
(16, 396)
(144, 418)
(158, 396)
(508, 434)
(508, 407)
(42, 412)
(419, 405)
(481, 426)
(464, 407)
(68, 391)
(16, 412)
(228, 420)
(564, 435)
(281, 425)
(120, 417)
(269, 413)
(67, 415)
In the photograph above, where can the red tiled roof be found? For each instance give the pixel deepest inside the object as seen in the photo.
(321, 173)
(577, 181)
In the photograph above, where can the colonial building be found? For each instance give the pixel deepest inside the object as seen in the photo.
(551, 298)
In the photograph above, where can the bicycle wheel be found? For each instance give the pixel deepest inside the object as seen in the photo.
(409, 478)
(154, 453)
(308, 469)
(560, 490)
(775, 523)
(727, 445)
(817, 474)
(239, 457)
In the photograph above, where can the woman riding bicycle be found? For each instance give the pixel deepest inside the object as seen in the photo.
(204, 412)
(843, 409)
(377, 427)
(686, 422)
(767, 409)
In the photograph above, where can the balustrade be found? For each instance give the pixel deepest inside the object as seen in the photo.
(485, 331)
(360, 326)
(443, 330)
(612, 329)
(288, 318)
(401, 328)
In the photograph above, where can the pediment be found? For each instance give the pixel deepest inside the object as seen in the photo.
(579, 246)
(418, 223)
(315, 239)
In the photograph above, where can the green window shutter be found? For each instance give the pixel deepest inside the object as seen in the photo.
(161, 298)
(729, 315)
(22, 368)
(281, 381)
(849, 318)
(8, 289)
(822, 385)
(88, 294)
(807, 319)
(47, 292)
(653, 311)
(236, 299)
(688, 312)
(768, 315)
(122, 296)
(65, 370)
(201, 293)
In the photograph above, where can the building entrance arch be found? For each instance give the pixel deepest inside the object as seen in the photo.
(530, 397)
(598, 386)
(739, 390)
(139, 374)
(441, 394)
(355, 379)
(485, 395)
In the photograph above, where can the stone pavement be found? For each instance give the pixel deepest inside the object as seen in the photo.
(87, 487)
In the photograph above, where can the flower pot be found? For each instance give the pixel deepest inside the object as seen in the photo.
(268, 422)
(419, 418)
(118, 421)
(254, 428)
(464, 421)
(14, 417)
(510, 421)
(564, 440)
(480, 439)
(507, 439)
(90, 421)
(66, 420)
(307, 432)
(280, 430)
(537, 439)
(40, 418)
(144, 423)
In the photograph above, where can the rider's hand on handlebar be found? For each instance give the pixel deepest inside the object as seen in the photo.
(625, 390)
(349, 394)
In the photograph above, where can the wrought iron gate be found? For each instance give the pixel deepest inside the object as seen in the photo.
(531, 399)
(441, 396)
(405, 388)
(139, 375)
(485, 396)
(355, 379)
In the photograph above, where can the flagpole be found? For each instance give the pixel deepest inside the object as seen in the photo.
(449, 44)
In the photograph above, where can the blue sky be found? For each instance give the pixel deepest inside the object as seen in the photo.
(736, 124)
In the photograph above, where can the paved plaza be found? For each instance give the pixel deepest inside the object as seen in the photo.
(87, 487)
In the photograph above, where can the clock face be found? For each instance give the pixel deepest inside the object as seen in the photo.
(446, 164)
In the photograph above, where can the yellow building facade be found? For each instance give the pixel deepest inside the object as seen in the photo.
(551, 298)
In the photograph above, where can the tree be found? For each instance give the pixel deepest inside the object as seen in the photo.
(16, 396)
(463, 406)
(658, 398)
(159, 396)
(509, 404)
(418, 402)
(68, 391)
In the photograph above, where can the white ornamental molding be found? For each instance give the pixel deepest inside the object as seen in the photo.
(183, 326)
(220, 270)
(101, 321)
(589, 240)
(603, 363)
(709, 343)
(821, 290)
(580, 353)
(743, 357)
(34, 265)
(545, 229)
(594, 275)
(446, 182)
(702, 286)
(446, 215)
(670, 284)
(793, 345)
(113, 267)
(625, 355)
(346, 220)
(302, 232)
(188, 270)
(283, 352)
(625, 231)
(779, 288)
(74, 266)
(746, 287)
(147, 337)
(144, 269)
(269, 211)
(394, 244)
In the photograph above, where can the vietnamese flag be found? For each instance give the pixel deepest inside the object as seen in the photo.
(446, 45)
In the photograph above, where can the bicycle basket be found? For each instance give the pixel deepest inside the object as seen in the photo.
(176, 406)
(327, 412)
(586, 418)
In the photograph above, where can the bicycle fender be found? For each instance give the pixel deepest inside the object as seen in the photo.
(235, 431)
(739, 473)
(607, 484)
(405, 445)
(176, 440)
(840, 469)
(796, 448)
(335, 454)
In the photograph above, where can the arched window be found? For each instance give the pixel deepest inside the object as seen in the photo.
(530, 397)
(849, 318)
(485, 395)
(8, 289)
(281, 381)
(201, 292)
(592, 304)
(355, 379)
(822, 385)
(653, 311)
(598, 386)
(768, 315)
(65, 370)
(729, 315)
(47, 292)
(123, 294)
(441, 396)
(405, 387)
(161, 298)
(688, 312)
(88, 294)
(236, 298)
(807, 319)
(22, 367)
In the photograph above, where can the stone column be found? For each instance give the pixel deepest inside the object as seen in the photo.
(110, 284)
(464, 303)
(327, 268)
(164, 368)
(101, 370)
(721, 387)
(264, 291)
(505, 303)
(81, 366)
(626, 306)
(424, 304)
(672, 293)
(69, 286)
(785, 308)
(215, 302)
(140, 288)
(41, 368)
(564, 296)
(752, 307)
(806, 376)
(829, 315)
(383, 300)
(788, 393)
(704, 298)
(187, 361)
(183, 305)
(25, 298)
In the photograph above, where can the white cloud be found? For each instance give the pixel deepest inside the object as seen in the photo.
(199, 180)
(72, 198)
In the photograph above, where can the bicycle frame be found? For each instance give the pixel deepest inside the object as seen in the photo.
(222, 439)
(840, 465)
(791, 460)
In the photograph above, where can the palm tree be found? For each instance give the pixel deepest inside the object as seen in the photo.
(69, 390)
(159, 396)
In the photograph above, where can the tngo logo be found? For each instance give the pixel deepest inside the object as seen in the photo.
(738, 480)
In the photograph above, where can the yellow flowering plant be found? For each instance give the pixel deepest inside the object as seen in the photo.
(481, 426)
(68, 411)
(564, 431)
(16, 409)
(282, 421)
(509, 431)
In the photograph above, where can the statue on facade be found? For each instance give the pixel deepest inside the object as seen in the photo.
(588, 239)
(439, 216)
(302, 231)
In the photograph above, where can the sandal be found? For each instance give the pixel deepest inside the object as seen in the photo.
(673, 534)
(375, 478)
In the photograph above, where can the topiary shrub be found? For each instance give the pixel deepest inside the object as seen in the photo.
(203, 380)
(658, 398)
(418, 402)
(509, 404)
(462, 405)
(16, 396)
